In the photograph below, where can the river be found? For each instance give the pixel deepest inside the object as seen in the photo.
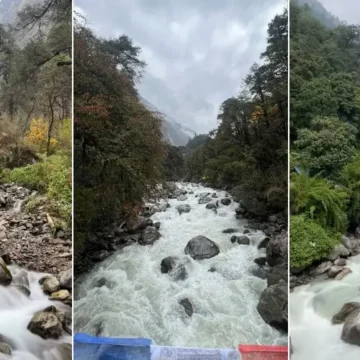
(312, 308)
(16, 311)
(135, 299)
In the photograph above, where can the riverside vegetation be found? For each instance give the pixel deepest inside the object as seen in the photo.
(325, 153)
(35, 182)
(122, 163)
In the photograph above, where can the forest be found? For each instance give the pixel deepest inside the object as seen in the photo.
(119, 146)
(324, 127)
(247, 152)
(35, 106)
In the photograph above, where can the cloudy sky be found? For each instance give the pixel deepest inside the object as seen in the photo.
(197, 51)
(345, 10)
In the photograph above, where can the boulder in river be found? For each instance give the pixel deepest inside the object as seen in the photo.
(263, 243)
(241, 240)
(65, 278)
(204, 200)
(5, 274)
(157, 225)
(51, 284)
(211, 206)
(277, 273)
(61, 295)
(200, 247)
(46, 325)
(340, 262)
(277, 249)
(338, 251)
(139, 225)
(321, 269)
(273, 305)
(334, 270)
(188, 306)
(5, 349)
(182, 198)
(149, 236)
(343, 273)
(351, 330)
(261, 261)
(183, 208)
(214, 196)
(344, 312)
(175, 267)
(230, 231)
(226, 201)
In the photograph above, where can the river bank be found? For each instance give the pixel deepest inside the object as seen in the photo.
(191, 273)
(35, 281)
(325, 306)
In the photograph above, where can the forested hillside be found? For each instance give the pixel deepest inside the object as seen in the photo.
(35, 105)
(120, 153)
(248, 150)
(325, 124)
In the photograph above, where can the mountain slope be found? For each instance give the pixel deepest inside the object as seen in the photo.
(174, 133)
(321, 13)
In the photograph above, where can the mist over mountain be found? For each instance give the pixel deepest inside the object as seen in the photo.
(174, 133)
(321, 13)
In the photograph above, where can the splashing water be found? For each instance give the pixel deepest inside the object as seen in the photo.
(138, 300)
(312, 308)
(16, 311)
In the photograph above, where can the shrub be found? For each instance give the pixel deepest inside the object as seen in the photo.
(309, 242)
(315, 198)
(51, 176)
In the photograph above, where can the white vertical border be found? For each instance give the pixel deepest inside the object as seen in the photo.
(289, 317)
(72, 171)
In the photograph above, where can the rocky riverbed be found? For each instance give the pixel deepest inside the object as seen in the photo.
(35, 282)
(325, 305)
(191, 271)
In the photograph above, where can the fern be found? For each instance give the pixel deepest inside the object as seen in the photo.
(324, 204)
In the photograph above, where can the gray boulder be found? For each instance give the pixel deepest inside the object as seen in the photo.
(200, 247)
(351, 330)
(339, 251)
(65, 278)
(204, 200)
(277, 249)
(344, 312)
(51, 284)
(226, 201)
(149, 236)
(241, 240)
(46, 325)
(5, 274)
(334, 270)
(182, 198)
(175, 267)
(273, 305)
(277, 273)
(183, 208)
(188, 306)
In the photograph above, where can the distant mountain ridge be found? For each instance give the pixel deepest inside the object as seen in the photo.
(174, 133)
(321, 13)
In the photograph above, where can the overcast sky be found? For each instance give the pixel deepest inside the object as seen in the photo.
(345, 10)
(197, 51)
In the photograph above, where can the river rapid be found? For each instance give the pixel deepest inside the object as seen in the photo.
(311, 309)
(16, 311)
(127, 295)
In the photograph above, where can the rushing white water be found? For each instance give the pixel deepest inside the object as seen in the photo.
(138, 300)
(16, 311)
(311, 309)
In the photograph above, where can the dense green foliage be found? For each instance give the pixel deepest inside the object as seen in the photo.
(325, 124)
(249, 147)
(309, 242)
(35, 104)
(118, 148)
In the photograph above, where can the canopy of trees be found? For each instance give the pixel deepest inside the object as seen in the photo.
(118, 148)
(325, 124)
(248, 150)
(35, 102)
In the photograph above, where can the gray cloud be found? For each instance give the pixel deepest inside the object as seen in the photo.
(345, 10)
(197, 51)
